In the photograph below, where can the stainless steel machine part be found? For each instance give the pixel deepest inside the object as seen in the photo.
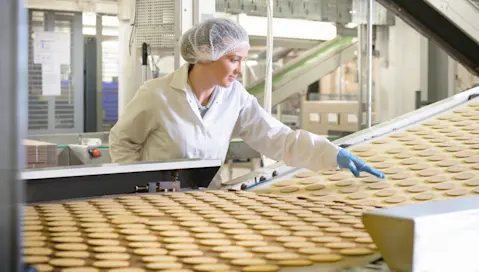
(96, 180)
(431, 236)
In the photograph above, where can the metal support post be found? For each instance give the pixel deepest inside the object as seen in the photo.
(13, 119)
(370, 63)
(361, 77)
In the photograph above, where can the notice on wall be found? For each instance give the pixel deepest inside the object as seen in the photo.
(51, 46)
(51, 79)
(51, 49)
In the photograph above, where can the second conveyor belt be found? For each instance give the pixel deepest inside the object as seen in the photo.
(436, 158)
(307, 68)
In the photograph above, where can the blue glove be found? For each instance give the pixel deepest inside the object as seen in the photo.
(356, 165)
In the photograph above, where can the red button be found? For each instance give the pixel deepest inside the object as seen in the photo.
(95, 153)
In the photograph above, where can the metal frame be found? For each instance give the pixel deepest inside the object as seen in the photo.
(99, 73)
(13, 117)
(111, 179)
(91, 86)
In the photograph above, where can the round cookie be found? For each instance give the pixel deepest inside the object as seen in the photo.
(424, 196)
(112, 256)
(102, 242)
(72, 254)
(287, 239)
(185, 253)
(395, 199)
(355, 251)
(428, 173)
(35, 259)
(464, 176)
(37, 251)
(110, 264)
(284, 183)
(212, 267)
(444, 186)
(436, 179)
(289, 189)
(305, 174)
(248, 261)
(457, 192)
(236, 255)
(407, 183)
(109, 249)
(474, 182)
(325, 258)
(66, 262)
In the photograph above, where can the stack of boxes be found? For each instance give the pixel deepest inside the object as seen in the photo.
(40, 154)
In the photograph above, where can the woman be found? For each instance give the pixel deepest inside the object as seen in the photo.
(195, 111)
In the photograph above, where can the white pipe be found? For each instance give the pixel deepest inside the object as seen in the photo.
(144, 73)
(268, 88)
(370, 62)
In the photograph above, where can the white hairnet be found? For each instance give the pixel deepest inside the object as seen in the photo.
(212, 39)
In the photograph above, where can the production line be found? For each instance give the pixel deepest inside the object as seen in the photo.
(441, 136)
(260, 222)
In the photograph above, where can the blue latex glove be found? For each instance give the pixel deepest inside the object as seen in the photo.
(355, 164)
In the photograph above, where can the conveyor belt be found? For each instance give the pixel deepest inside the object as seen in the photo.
(239, 231)
(437, 158)
(306, 69)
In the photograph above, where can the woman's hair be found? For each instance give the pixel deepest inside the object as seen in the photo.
(212, 39)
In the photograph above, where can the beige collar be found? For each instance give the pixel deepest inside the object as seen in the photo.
(180, 78)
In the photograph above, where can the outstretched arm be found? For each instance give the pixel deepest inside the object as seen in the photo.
(297, 148)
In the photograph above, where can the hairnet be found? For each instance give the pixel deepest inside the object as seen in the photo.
(212, 39)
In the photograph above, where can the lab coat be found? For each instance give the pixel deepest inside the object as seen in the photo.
(162, 122)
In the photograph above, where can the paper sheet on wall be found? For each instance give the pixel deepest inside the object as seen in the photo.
(51, 79)
(51, 45)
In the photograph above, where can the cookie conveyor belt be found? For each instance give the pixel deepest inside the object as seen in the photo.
(196, 230)
(429, 154)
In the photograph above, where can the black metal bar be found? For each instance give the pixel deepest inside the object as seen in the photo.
(432, 24)
(90, 121)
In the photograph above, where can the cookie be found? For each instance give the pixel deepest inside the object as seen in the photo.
(110, 264)
(35, 259)
(72, 254)
(212, 267)
(66, 262)
(325, 258)
(199, 260)
(248, 261)
(355, 251)
(112, 256)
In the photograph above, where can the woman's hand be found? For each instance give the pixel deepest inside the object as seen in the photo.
(356, 165)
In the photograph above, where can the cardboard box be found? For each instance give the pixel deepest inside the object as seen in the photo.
(321, 117)
(40, 154)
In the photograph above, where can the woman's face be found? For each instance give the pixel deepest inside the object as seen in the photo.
(228, 68)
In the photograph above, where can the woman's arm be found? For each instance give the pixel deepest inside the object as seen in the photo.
(133, 127)
(297, 148)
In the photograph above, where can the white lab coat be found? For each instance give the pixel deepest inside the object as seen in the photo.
(162, 122)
